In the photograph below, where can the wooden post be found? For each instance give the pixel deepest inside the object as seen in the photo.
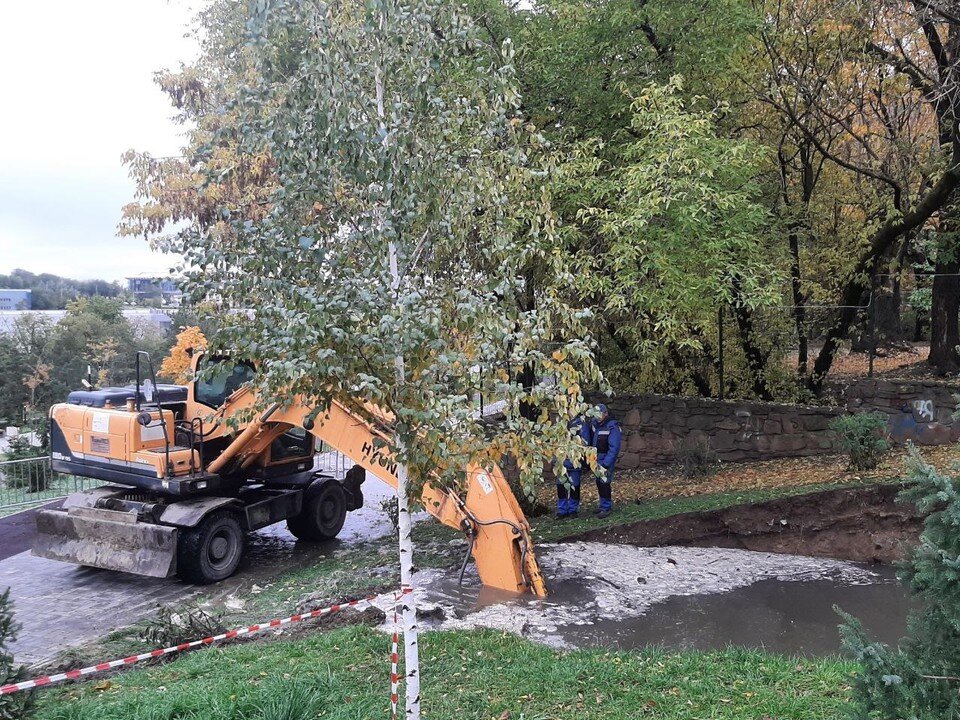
(720, 350)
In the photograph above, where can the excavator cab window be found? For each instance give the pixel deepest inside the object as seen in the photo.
(294, 444)
(216, 385)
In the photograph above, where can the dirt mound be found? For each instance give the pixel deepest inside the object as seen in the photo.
(863, 524)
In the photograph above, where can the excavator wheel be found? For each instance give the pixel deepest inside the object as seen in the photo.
(211, 551)
(324, 510)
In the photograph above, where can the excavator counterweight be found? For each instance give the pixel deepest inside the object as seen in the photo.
(190, 472)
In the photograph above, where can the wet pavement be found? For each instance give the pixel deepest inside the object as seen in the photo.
(679, 598)
(16, 531)
(60, 605)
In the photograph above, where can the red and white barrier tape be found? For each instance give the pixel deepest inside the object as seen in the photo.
(394, 659)
(239, 632)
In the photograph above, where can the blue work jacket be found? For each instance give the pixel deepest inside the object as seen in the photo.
(606, 438)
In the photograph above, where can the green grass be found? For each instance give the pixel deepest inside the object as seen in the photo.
(342, 675)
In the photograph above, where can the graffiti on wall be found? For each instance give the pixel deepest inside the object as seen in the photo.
(923, 409)
(917, 421)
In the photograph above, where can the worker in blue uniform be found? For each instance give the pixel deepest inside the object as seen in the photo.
(605, 436)
(568, 489)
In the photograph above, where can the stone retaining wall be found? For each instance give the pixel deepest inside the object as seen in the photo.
(656, 426)
(921, 411)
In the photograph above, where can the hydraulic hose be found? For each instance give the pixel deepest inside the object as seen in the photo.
(472, 535)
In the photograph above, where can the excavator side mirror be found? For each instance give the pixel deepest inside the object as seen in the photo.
(144, 418)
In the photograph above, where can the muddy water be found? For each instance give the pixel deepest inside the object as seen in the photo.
(788, 617)
(680, 598)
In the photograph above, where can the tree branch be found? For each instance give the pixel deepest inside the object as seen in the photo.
(933, 7)
(934, 200)
(918, 79)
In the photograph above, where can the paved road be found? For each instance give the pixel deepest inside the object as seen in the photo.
(60, 605)
(16, 531)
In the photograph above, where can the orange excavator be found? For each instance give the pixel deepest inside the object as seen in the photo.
(192, 468)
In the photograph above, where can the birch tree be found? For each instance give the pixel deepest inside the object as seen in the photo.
(402, 202)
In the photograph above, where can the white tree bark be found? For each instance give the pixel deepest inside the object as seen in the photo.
(408, 605)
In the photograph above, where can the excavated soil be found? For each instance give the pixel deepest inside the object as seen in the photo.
(863, 524)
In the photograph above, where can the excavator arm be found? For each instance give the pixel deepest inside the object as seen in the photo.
(499, 533)
(113, 434)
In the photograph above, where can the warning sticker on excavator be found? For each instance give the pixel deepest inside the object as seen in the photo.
(101, 422)
(100, 444)
(485, 483)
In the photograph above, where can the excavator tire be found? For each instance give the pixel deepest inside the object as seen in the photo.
(212, 550)
(324, 510)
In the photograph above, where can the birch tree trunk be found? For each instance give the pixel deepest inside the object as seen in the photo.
(408, 605)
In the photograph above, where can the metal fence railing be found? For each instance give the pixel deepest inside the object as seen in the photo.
(331, 462)
(30, 482)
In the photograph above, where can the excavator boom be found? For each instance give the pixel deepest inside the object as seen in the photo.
(490, 515)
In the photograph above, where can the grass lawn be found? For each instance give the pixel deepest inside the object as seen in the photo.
(343, 674)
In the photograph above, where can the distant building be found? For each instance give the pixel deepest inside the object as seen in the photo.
(139, 317)
(16, 299)
(147, 287)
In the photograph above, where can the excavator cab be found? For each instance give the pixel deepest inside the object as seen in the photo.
(194, 467)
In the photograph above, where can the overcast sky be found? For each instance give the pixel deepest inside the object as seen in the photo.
(78, 91)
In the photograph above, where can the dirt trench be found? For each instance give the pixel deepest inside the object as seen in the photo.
(863, 524)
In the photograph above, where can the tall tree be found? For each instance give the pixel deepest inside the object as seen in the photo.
(582, 67)
(872, 89)
(385, 247)
(676, 228)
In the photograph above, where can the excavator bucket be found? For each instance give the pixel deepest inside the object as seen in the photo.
(503, 545)
(106, 539)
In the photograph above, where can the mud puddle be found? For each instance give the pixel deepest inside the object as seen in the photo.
(677, 598)
(789, 617)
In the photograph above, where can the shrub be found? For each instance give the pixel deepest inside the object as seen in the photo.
(32, 476)
(863, 436)
(391, 509)
(696, 459)
(173, 626)
(920, 677)
(18, 705)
